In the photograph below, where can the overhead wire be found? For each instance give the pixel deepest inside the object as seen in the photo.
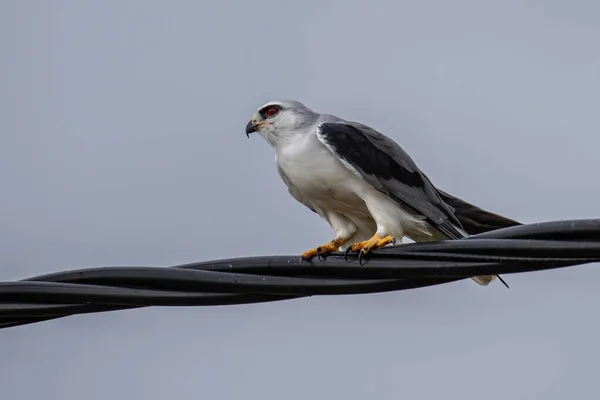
(260, 279)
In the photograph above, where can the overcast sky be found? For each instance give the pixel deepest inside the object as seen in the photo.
(122, 143)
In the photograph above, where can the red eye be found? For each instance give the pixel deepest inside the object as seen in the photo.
(272, 111)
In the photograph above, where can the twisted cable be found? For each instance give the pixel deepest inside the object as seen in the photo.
(523, 248)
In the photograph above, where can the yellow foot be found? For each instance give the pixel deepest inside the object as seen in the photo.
(375, 242)
(330, 247)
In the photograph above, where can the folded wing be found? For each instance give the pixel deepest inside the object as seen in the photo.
(387, 167)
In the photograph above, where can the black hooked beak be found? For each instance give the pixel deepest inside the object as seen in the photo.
(251, 127)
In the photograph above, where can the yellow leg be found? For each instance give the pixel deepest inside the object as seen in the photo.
(375, 242)
(330, 247)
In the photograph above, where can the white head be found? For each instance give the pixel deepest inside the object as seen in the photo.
(278, 121)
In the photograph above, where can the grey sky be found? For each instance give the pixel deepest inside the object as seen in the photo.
(122, 143)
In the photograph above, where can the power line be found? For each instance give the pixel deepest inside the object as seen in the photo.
(522, 248)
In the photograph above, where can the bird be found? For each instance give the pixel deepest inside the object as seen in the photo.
(362, 183)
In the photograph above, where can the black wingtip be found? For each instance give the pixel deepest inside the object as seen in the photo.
(502, 280)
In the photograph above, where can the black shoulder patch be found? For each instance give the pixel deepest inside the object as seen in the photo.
(357, 149)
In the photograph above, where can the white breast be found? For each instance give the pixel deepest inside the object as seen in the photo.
(319, 175)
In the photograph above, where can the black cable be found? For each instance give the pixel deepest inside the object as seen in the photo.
(522, 248)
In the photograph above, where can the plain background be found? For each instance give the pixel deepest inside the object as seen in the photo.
(122, 143)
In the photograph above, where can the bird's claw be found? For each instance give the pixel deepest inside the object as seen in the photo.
(346, 252)
(319, 256)
(321, 251)
(361, 254)
(363, 248)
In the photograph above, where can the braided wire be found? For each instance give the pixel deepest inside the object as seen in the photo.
(523, 248)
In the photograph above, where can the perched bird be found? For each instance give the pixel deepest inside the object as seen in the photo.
(362, 183)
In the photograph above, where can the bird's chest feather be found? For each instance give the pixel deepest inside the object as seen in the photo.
(314, 170)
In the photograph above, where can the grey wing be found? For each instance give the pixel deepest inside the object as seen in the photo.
(387, 167)
(293, 190)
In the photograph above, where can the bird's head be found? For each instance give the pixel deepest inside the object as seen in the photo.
(278, 121)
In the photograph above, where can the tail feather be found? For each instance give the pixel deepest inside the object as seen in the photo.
(477, 220)
(474, 219)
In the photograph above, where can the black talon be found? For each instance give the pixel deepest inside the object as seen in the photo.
(348, 250)
(360, 256)
(319, 254)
